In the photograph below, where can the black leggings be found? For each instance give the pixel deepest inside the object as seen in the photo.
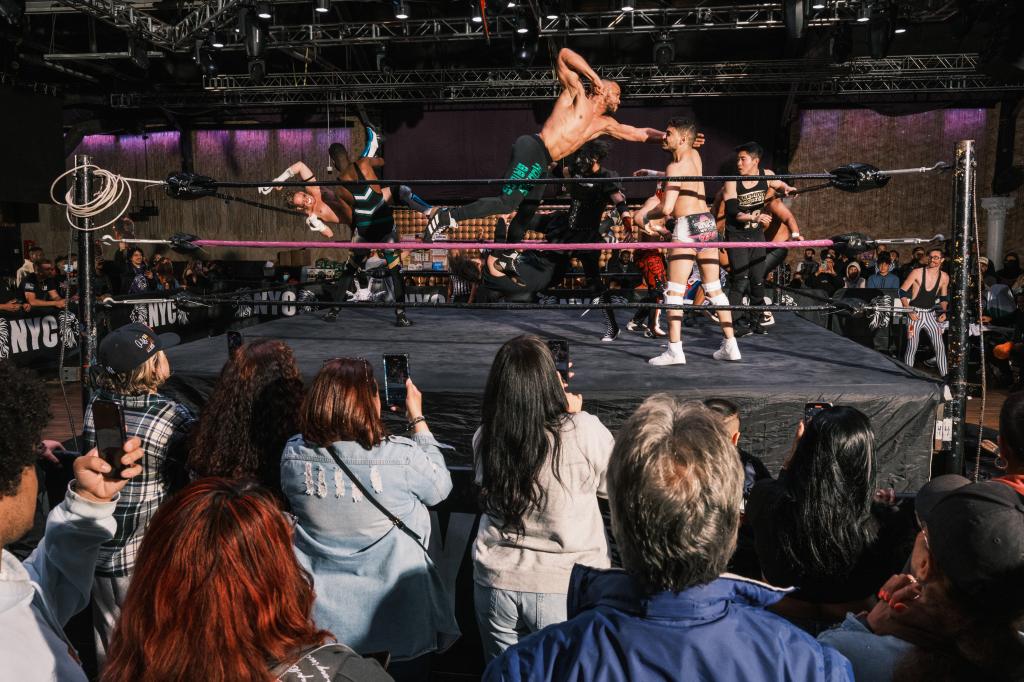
(530, 160)
(746, 270)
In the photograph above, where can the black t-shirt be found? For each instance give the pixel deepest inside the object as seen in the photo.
(34, 284)
(7, 294)
(823, 280)
(590, 198)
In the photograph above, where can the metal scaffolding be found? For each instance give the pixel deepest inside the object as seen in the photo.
(951, 73)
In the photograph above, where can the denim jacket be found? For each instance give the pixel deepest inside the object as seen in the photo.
(376, 588)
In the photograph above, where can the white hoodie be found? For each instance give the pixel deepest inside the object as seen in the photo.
(38, 597)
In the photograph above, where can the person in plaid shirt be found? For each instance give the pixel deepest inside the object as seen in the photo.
(132, 367)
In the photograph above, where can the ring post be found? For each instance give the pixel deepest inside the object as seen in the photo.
(963, 218)
(87, 324)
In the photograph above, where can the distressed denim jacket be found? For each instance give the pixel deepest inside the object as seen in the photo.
(376, 588)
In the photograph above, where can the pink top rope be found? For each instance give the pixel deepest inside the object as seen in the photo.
(523, 246)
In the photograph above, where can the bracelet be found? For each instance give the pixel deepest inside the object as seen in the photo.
(412, 424)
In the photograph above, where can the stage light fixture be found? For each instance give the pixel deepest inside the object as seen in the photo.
(263, 11)
(524, 48)
(864, 15)
(794, 16)
(257, 70)
(664, 50)
(550, 9)
(627, 6)
(216, 40)
(901, 26)
(475, 13)
(818, 5)
(511, 4)
(255, 37)
(402, 10)
(137, 52)
(323, 6)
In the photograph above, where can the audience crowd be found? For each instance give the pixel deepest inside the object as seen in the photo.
(284, 533)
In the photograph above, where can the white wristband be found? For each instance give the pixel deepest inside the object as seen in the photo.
(314, 223)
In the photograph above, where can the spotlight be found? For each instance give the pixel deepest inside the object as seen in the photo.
(257, 70)
(880, 36)
(137, 52)
(524, 48)
(263, 10)
(202, 55)
(323, 6)
(818, 5)
(255, 39)
(475, 13)
(864, 15)
(511, 4)
(550, 10)
(402, 10)
(664, 50)
(521, 24)
(794, 16)
(216, 40)
(627, 6)
(901, 26)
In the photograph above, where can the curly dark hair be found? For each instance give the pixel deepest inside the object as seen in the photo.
(24, 412)
(251, 414)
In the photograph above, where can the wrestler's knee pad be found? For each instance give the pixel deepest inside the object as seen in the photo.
(715, 294)
(675, 293)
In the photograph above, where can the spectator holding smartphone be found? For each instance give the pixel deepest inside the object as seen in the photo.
(541, 463)
(131, 368)
(39, 596)
(347, 482)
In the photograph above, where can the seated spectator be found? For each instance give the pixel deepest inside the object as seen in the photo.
(39, 596)
(164, 279)
(40, 289)
(853, 280)
(131, 368)
(226, 548)
(1011, 442)
(826, 277)
(249, 417)
(986, 272)
(815, 528)
(377, 589)
(957, 615)
(9, 300)
(541, 463)
(884, 277)
(675, 486)
(808, 266)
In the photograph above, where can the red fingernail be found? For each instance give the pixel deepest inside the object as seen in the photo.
(883, 595)
(899, 606)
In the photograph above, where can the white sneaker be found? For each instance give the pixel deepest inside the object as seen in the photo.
(632, 326)
(729, 350)
(767, 319)
(668, 358)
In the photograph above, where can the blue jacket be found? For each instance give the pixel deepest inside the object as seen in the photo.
(376, 588)
(718, 631)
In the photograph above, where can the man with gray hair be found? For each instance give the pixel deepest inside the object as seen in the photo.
(675, 486)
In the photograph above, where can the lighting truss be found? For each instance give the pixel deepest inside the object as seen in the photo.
(953, 74)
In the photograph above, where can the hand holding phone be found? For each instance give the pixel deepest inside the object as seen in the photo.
(560, 353)
(811, 409)
(396, 372)
(108, 422)
(235, 341)
(95, 484)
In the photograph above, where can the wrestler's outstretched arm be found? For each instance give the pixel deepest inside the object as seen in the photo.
(779, 185)
(305, 174)
(621, 131)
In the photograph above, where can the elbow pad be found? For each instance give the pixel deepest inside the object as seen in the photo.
(732, 208)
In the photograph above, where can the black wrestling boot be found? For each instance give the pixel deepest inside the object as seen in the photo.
(438, 224)
(332, 315)
(401, 320)
(506, 264)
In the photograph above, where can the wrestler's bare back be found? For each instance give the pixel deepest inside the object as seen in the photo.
(691, 194)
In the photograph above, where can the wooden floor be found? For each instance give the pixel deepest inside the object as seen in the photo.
(59, 429)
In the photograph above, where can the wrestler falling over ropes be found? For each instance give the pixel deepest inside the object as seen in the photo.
(367, 208)
(576, 119)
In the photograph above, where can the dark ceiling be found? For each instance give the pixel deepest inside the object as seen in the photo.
(123, 65)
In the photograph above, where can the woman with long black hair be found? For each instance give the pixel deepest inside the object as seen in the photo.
(541, 463)
(816, 528)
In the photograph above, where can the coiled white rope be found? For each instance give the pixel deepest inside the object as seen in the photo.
(112, 190)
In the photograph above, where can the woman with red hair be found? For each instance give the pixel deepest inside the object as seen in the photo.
(346, 479)
(251, 413)
(217, 595)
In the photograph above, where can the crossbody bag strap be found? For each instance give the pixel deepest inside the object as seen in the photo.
(374, 501)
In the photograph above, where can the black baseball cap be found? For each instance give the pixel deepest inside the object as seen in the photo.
(976, 534)
(127, 347)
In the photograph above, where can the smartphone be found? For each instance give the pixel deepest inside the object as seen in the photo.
(560, 352)
(811, 409)
(235, 341)
(396, 371)
(108, 420)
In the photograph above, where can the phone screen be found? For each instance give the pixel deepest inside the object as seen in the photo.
(396, 371)
(234, 341)
(560, 352)
(811, 409)
(108, 420)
